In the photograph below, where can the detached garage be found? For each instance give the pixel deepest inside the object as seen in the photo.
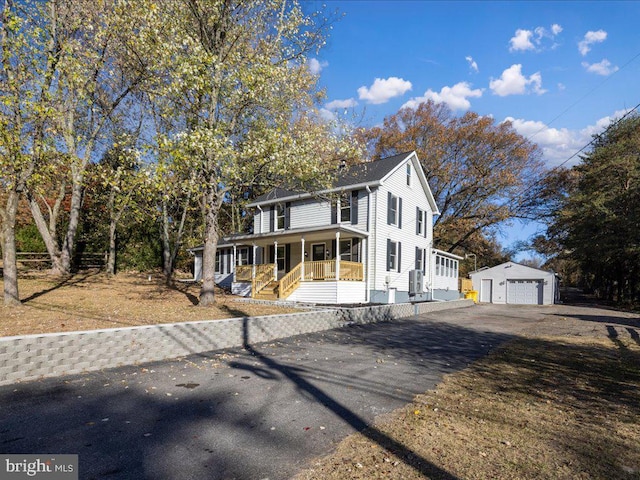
(515, 284)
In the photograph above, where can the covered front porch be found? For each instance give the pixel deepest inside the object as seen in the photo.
(321, 265)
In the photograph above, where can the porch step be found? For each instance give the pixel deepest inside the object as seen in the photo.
(268, 292)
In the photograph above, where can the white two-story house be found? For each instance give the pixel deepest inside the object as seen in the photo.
(369, 239)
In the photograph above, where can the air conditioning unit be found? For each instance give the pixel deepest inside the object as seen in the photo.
(416, 282)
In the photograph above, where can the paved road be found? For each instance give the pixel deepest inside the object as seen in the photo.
(262, 412)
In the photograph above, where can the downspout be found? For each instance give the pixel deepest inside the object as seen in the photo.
(367, 290)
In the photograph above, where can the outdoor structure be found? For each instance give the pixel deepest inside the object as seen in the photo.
(369, 239)
(513, 283)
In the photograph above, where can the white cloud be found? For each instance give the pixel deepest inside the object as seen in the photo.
(337, 104)
(315, 66)
(455, 97)
(383, 90)
(513, 82)
(472, 63)
(521, 41)
(561, 87)
(524, 40)
(603, 68)
(591, 37)
(327, 115)
(560, 144)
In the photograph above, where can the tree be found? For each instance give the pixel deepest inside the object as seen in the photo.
(95, 72)
(125, 186)
(598, 222)
(482, 174)
(27, 64)
(233, 79)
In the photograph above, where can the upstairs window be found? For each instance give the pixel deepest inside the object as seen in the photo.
(345, 207)
(394, 210)
(421, 217)
(409, 174)
(280, 214)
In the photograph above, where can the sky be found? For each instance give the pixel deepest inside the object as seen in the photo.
(560, 71)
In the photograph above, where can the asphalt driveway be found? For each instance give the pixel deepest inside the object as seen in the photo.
(254, 413)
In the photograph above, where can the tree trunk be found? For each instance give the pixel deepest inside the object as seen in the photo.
(74, 219)
(111, 257)
(9, 265)
(207, 294)
(47, 237)
(169, 254)
(167, 267)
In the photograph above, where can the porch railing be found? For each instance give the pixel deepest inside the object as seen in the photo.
(320, 270)
(326, 270)
(290, 281)
(351, 271)
(244, 273)
(264, 275)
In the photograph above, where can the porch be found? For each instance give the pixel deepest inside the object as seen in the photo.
(312, 281)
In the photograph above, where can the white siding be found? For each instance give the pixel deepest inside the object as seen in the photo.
(315, 292)
(412, 196)
(310, 213)
(329, 292)
(351, 292)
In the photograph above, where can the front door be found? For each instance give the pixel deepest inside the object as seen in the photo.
(318, 270)
(317, 252)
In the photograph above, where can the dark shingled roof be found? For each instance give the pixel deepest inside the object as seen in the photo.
(360, 173)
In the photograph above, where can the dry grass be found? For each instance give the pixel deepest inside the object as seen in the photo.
(91, 300)
(538, 408)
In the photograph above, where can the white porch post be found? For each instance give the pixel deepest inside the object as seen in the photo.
(337, 253)
(302, 260)
(275, 259)
(235, 260)
(253, 264)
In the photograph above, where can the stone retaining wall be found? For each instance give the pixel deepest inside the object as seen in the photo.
(30, 357)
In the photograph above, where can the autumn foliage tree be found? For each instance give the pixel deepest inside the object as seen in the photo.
(482, 173)
(233, 79)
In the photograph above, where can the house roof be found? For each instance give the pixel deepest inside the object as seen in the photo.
(250, 238)
(511, 264)
(359, 175)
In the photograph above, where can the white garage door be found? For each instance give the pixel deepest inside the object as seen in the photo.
(524, 292)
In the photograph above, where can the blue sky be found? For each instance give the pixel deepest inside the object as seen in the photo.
(561, 71)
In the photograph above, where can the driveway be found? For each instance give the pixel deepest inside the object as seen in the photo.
(265, 411)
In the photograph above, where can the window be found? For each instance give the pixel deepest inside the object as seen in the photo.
(420, 221)
(280, 252)
(280, 217)
(349, 250)
(345, 250)
(345, 207)
(393, 256)
(217, 262)
(420, 256)
(394, 210)
(242, 257)
(408, 174)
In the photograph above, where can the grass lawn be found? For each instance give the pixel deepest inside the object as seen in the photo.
(537, 408)
(91, 300)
